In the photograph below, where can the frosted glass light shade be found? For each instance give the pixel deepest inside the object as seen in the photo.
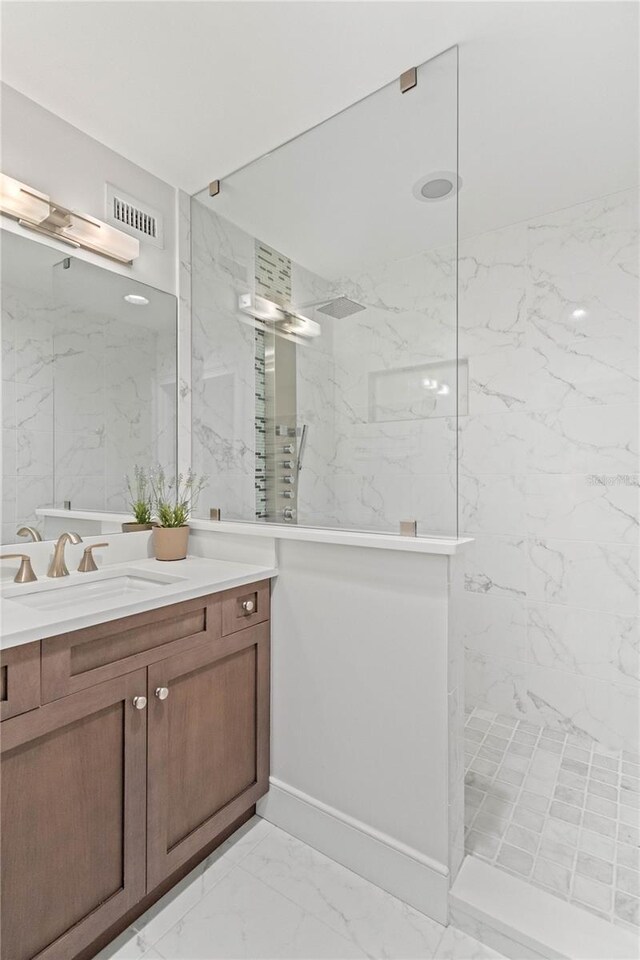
(100, 238)
(19, 201)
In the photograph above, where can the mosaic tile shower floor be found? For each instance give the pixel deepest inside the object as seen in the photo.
(560, 813)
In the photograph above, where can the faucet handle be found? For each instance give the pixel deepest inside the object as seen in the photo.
(25, 574)
(88, 564)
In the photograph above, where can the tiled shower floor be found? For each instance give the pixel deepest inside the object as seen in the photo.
(560, 813)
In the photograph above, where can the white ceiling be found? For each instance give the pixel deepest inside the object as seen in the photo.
(193, 90)
(339, 199)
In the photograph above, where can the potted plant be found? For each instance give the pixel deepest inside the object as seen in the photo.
(173, 501)
(139, 501)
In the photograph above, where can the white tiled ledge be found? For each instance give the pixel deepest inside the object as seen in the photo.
(277, 531)
(520, 920)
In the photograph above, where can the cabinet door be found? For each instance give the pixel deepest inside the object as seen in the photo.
(208, 744)
(73, 819)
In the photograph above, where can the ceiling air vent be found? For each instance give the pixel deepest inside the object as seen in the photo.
(135, 218)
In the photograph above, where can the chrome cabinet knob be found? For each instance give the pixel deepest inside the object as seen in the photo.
(287, 448)
(248, 606)
(289, 479)
(288, 464)
(139, 702)
(162, 693)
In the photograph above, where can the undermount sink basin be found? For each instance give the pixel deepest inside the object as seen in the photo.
(114, 585)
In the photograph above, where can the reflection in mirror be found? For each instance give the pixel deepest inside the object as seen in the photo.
(89, 383)
(325, 378)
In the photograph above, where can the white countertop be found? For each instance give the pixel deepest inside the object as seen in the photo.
(22, 624)
(283, 531)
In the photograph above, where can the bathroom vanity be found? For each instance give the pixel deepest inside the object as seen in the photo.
(131, 748)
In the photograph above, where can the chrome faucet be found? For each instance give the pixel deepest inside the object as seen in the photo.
(58, 567)
(30, 532)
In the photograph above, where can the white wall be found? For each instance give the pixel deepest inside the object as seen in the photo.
(360, 725)
(50, 155)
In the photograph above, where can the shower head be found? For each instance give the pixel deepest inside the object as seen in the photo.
(340, 307)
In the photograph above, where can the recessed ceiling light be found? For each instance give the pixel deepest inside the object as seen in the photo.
(137, 299)
(439, 185)
(579, 314)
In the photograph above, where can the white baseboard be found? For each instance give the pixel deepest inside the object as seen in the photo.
(399, 869)
(525, 922)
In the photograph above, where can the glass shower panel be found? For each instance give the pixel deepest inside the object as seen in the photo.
(326, 382)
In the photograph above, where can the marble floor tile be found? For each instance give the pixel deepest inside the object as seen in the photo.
(136, 942)
(241, 917)
(553, 876)
(571, 827)
(264, 894)
(379, 924)
(514, 859)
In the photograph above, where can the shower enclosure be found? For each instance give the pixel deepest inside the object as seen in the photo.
(333, 386)
(326, 382)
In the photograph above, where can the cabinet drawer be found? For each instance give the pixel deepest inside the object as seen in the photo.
(245, 606)
(74, 661)
(19, 679)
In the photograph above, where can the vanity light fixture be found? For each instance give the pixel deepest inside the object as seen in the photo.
(135, 298)
(36, 211)
(282, 320)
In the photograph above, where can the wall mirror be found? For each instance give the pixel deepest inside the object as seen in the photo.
(326, 381)
(88, 379)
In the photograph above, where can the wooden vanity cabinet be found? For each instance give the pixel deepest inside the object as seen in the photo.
(73, 819)
(106, 796)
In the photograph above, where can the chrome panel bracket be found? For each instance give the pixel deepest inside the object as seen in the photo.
(408, 528)
(214, 188)
(408, 79)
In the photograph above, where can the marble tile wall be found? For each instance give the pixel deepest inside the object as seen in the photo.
(397, 469)
(223, 384)
(315, 389)
(184, 330)
(547, 595)
(223, 374)
(27, 407)
(86, 396)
